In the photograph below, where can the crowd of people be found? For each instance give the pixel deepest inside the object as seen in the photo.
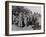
(23, 18)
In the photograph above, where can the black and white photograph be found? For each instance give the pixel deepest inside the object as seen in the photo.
(25, 18)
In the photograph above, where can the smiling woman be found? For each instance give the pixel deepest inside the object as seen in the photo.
(24, 18)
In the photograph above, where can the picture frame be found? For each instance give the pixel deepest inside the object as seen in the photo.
(24, 9)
